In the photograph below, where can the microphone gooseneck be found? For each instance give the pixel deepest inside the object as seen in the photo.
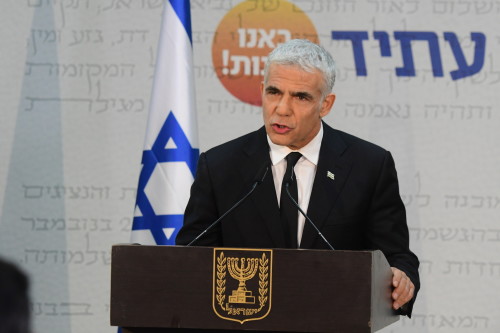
(304, 214)
(260, 176)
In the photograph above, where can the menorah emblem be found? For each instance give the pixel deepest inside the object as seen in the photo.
(245, 293)
(242, 273)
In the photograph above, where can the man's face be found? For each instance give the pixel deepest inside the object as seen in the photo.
(293, 105)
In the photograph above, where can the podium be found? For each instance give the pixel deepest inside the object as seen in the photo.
(156, 289)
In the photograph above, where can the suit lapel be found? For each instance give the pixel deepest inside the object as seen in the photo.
(264, 198)
(326, 190)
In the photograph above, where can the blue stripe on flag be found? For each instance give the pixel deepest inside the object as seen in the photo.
(181, 8)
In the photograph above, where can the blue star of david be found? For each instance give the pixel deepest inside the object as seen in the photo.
(150, 158)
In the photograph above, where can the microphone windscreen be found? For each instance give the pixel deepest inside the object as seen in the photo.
(261, 174)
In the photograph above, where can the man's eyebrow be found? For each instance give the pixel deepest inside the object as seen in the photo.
(302, 94)
(272, 89)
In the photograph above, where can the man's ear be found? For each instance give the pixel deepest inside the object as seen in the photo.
(327, 104)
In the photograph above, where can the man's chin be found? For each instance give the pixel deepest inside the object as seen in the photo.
(279, 139)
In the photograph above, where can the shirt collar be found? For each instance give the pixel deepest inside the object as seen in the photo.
(309, 151)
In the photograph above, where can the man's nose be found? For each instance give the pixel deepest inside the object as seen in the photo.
(283, 106)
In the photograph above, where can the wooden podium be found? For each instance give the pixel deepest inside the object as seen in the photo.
(174, 288)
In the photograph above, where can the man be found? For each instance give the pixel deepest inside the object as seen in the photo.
(14, 299)
(347, 186)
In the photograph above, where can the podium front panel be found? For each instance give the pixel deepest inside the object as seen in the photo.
(233, 289)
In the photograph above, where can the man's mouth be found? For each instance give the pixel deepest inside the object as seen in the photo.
(280, 129)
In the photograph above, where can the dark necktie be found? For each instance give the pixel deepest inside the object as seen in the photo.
(288, 211)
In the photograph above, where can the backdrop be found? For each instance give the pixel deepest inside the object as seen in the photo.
(420, 78)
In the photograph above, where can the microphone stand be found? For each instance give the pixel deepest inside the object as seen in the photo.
(305, 215)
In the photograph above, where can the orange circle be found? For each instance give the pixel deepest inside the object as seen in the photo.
(244, 38)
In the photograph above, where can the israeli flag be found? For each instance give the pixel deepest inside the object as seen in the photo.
(169, 158)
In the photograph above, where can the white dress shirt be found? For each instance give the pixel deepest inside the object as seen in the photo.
(305, 170)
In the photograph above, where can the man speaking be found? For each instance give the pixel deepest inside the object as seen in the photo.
(347, 187)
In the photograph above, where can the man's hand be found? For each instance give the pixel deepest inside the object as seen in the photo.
(403, 288)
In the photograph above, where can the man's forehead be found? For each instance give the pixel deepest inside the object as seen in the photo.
(293, 78)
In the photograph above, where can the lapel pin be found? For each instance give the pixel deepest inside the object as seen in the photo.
(330, 175)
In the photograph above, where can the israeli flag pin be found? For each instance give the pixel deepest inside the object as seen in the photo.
(330, 175)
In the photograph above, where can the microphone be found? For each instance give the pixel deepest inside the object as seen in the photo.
(259, 178)
(287, 184)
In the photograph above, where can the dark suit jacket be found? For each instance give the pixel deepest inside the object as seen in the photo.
(360, 209)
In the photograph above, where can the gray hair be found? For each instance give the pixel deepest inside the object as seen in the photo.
(308, 56)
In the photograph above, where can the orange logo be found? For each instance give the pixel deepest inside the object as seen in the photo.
(244, 38)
